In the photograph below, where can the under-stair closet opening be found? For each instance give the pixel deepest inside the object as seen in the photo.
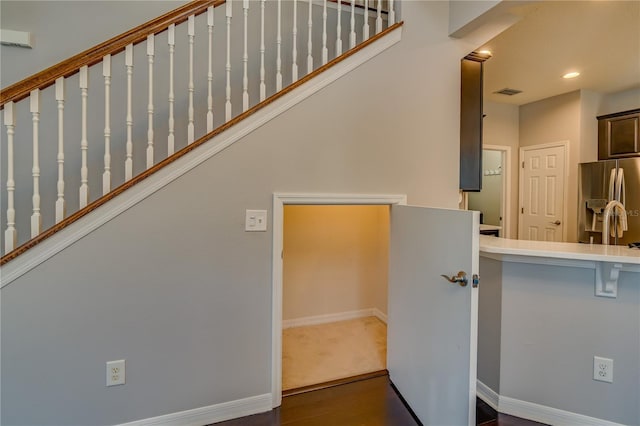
(335, 273)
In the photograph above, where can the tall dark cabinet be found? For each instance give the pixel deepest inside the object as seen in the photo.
(471, 121)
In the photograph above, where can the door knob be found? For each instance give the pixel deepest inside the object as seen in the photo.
(557, 222)
(461, 278)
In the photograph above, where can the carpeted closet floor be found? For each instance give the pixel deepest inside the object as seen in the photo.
(321, 353)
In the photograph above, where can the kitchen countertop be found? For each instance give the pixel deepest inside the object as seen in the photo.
(555, 250)
(484, 227)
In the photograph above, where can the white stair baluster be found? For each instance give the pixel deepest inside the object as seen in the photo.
(379, 17)
(84, 144)
(294, 51)
(245, 58)
(279, 49)
(263, 87)
(352, 33)
(365, 26)
(106, 175)
(392, 14)
(309, 39)
(172, 98)
(60, 203)
(325, 51)
(191, 30)
(10, 235)
(150, 57)
(339, 30)
(210, 10)
(227, 105)
(128, 162)
(36, 217)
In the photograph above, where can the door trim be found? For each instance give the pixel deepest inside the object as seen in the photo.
(505, 209)
(279, 201)
(560, 144)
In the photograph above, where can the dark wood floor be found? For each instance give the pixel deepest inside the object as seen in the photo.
(366, 402)
(487, 416)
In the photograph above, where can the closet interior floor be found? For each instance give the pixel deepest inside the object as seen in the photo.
(326, 352)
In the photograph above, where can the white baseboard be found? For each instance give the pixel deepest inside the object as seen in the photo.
(379, 314)
(211, 414)
(488, 395)
(536, 412)
(340, 316)
(548, 415)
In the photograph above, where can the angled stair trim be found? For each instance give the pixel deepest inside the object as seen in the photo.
(161, 177)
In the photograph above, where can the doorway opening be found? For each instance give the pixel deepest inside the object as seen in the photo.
(334, 311)
(494, 201)
(327, 288)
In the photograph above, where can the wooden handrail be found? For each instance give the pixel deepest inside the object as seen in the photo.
(68, 67)
(184, 151)
(93, 55)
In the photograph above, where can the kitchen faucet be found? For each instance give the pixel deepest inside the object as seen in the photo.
(618, 209)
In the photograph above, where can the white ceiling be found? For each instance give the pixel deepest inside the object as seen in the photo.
(599, 39)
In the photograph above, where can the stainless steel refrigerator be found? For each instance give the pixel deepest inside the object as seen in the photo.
(601, 182)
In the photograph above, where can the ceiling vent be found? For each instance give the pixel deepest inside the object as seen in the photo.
(508, 92)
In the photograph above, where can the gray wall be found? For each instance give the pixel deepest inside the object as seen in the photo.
(62, 29)
(176, 286)
(552, 326)
(500, 127)
(620, 101)
(489, 323)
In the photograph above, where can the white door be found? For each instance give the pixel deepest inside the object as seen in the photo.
(432, 325)
(542, 188)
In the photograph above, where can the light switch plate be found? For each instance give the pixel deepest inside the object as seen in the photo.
(255, 220)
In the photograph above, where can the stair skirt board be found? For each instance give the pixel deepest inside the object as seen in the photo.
(211, 414)
(536, 412)
(93, 220)
(340, 316)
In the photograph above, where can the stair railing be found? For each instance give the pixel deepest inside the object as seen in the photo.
(236, 69)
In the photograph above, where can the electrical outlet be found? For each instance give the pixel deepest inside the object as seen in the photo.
(115, 372)
(602, 369)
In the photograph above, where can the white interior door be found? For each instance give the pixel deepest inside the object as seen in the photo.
(542, 188)
(432, 324)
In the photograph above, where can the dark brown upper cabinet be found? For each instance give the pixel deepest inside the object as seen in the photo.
(471, 122)
(619, 135)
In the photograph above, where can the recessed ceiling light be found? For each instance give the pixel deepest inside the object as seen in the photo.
(573, 74)
(485, 52)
